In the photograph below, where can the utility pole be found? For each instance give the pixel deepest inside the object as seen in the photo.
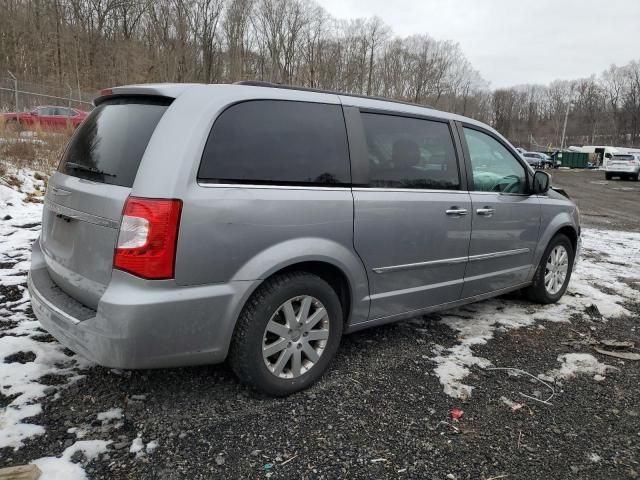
(15, 89)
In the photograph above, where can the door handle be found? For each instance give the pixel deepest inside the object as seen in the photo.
(485, 212)
(456, 212)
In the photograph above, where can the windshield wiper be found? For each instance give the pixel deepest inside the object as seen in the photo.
(85, 168)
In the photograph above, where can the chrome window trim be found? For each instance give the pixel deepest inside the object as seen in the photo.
(452, 261)
(510, 194)
(268, 187)
(317, 187)
(424, 190)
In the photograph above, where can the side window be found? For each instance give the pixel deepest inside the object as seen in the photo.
(278, 142)
(45, 111)
(495, 169)
(410, 153)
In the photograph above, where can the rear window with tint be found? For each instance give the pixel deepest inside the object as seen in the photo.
(278, 142)
(109, 144)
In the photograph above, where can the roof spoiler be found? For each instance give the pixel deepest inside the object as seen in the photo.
(167, 90)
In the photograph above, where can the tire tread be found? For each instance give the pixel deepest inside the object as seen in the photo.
(537, 292)
(238, 358)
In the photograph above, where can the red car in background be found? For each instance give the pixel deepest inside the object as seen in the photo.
(48, 117)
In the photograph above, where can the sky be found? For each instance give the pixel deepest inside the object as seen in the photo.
(513, 42)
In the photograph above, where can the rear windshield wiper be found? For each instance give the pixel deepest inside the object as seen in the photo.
(85, 168)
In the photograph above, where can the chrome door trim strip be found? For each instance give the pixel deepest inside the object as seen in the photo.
(78, 215)
(421, 288)
(451, 261)
(432, 263)
(506, 253)
(496, 273)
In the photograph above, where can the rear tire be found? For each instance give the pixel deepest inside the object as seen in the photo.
(550, 282)
(263, 323)
(607, 176)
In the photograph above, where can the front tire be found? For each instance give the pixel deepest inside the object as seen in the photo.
(554, 271)
(287, 334)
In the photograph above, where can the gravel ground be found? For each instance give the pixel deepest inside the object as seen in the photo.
(611, 204)
(380, 412)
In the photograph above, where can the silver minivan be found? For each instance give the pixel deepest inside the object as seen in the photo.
(189, 224)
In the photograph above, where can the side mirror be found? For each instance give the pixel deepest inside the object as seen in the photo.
(541, 183)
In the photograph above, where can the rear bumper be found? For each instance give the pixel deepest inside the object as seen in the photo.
(621, 169)
(138, 323)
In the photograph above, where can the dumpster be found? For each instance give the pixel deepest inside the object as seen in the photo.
(574, 159)
(571, 159)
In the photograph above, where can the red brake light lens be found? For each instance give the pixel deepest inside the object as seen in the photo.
(106, 91)
(147, 238)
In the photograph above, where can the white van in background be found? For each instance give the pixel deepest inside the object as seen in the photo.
(602, 152)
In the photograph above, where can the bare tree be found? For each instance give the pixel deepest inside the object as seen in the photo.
(93, 43)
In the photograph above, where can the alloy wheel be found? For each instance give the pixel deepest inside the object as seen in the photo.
(556, 269)
(295, 337)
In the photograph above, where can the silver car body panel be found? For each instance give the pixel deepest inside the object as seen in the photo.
(399, 251)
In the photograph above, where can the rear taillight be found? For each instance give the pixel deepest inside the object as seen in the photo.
(147, 239)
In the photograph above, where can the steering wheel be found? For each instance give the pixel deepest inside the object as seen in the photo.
(507, 184)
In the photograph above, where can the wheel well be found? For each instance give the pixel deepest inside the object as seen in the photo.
(571, 234)
(330, 274)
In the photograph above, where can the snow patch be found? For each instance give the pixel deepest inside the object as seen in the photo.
(595, 458)
(21, 380)
(78, 432)
(476, 324)
(609, 258)
(575, 363)
(137, 445)
(25, 359)
(151, 446)
(62, 468)
(112, 414)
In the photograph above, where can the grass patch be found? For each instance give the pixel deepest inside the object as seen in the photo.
(34, 148)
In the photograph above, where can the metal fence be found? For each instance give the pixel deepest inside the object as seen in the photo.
(20, 95)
